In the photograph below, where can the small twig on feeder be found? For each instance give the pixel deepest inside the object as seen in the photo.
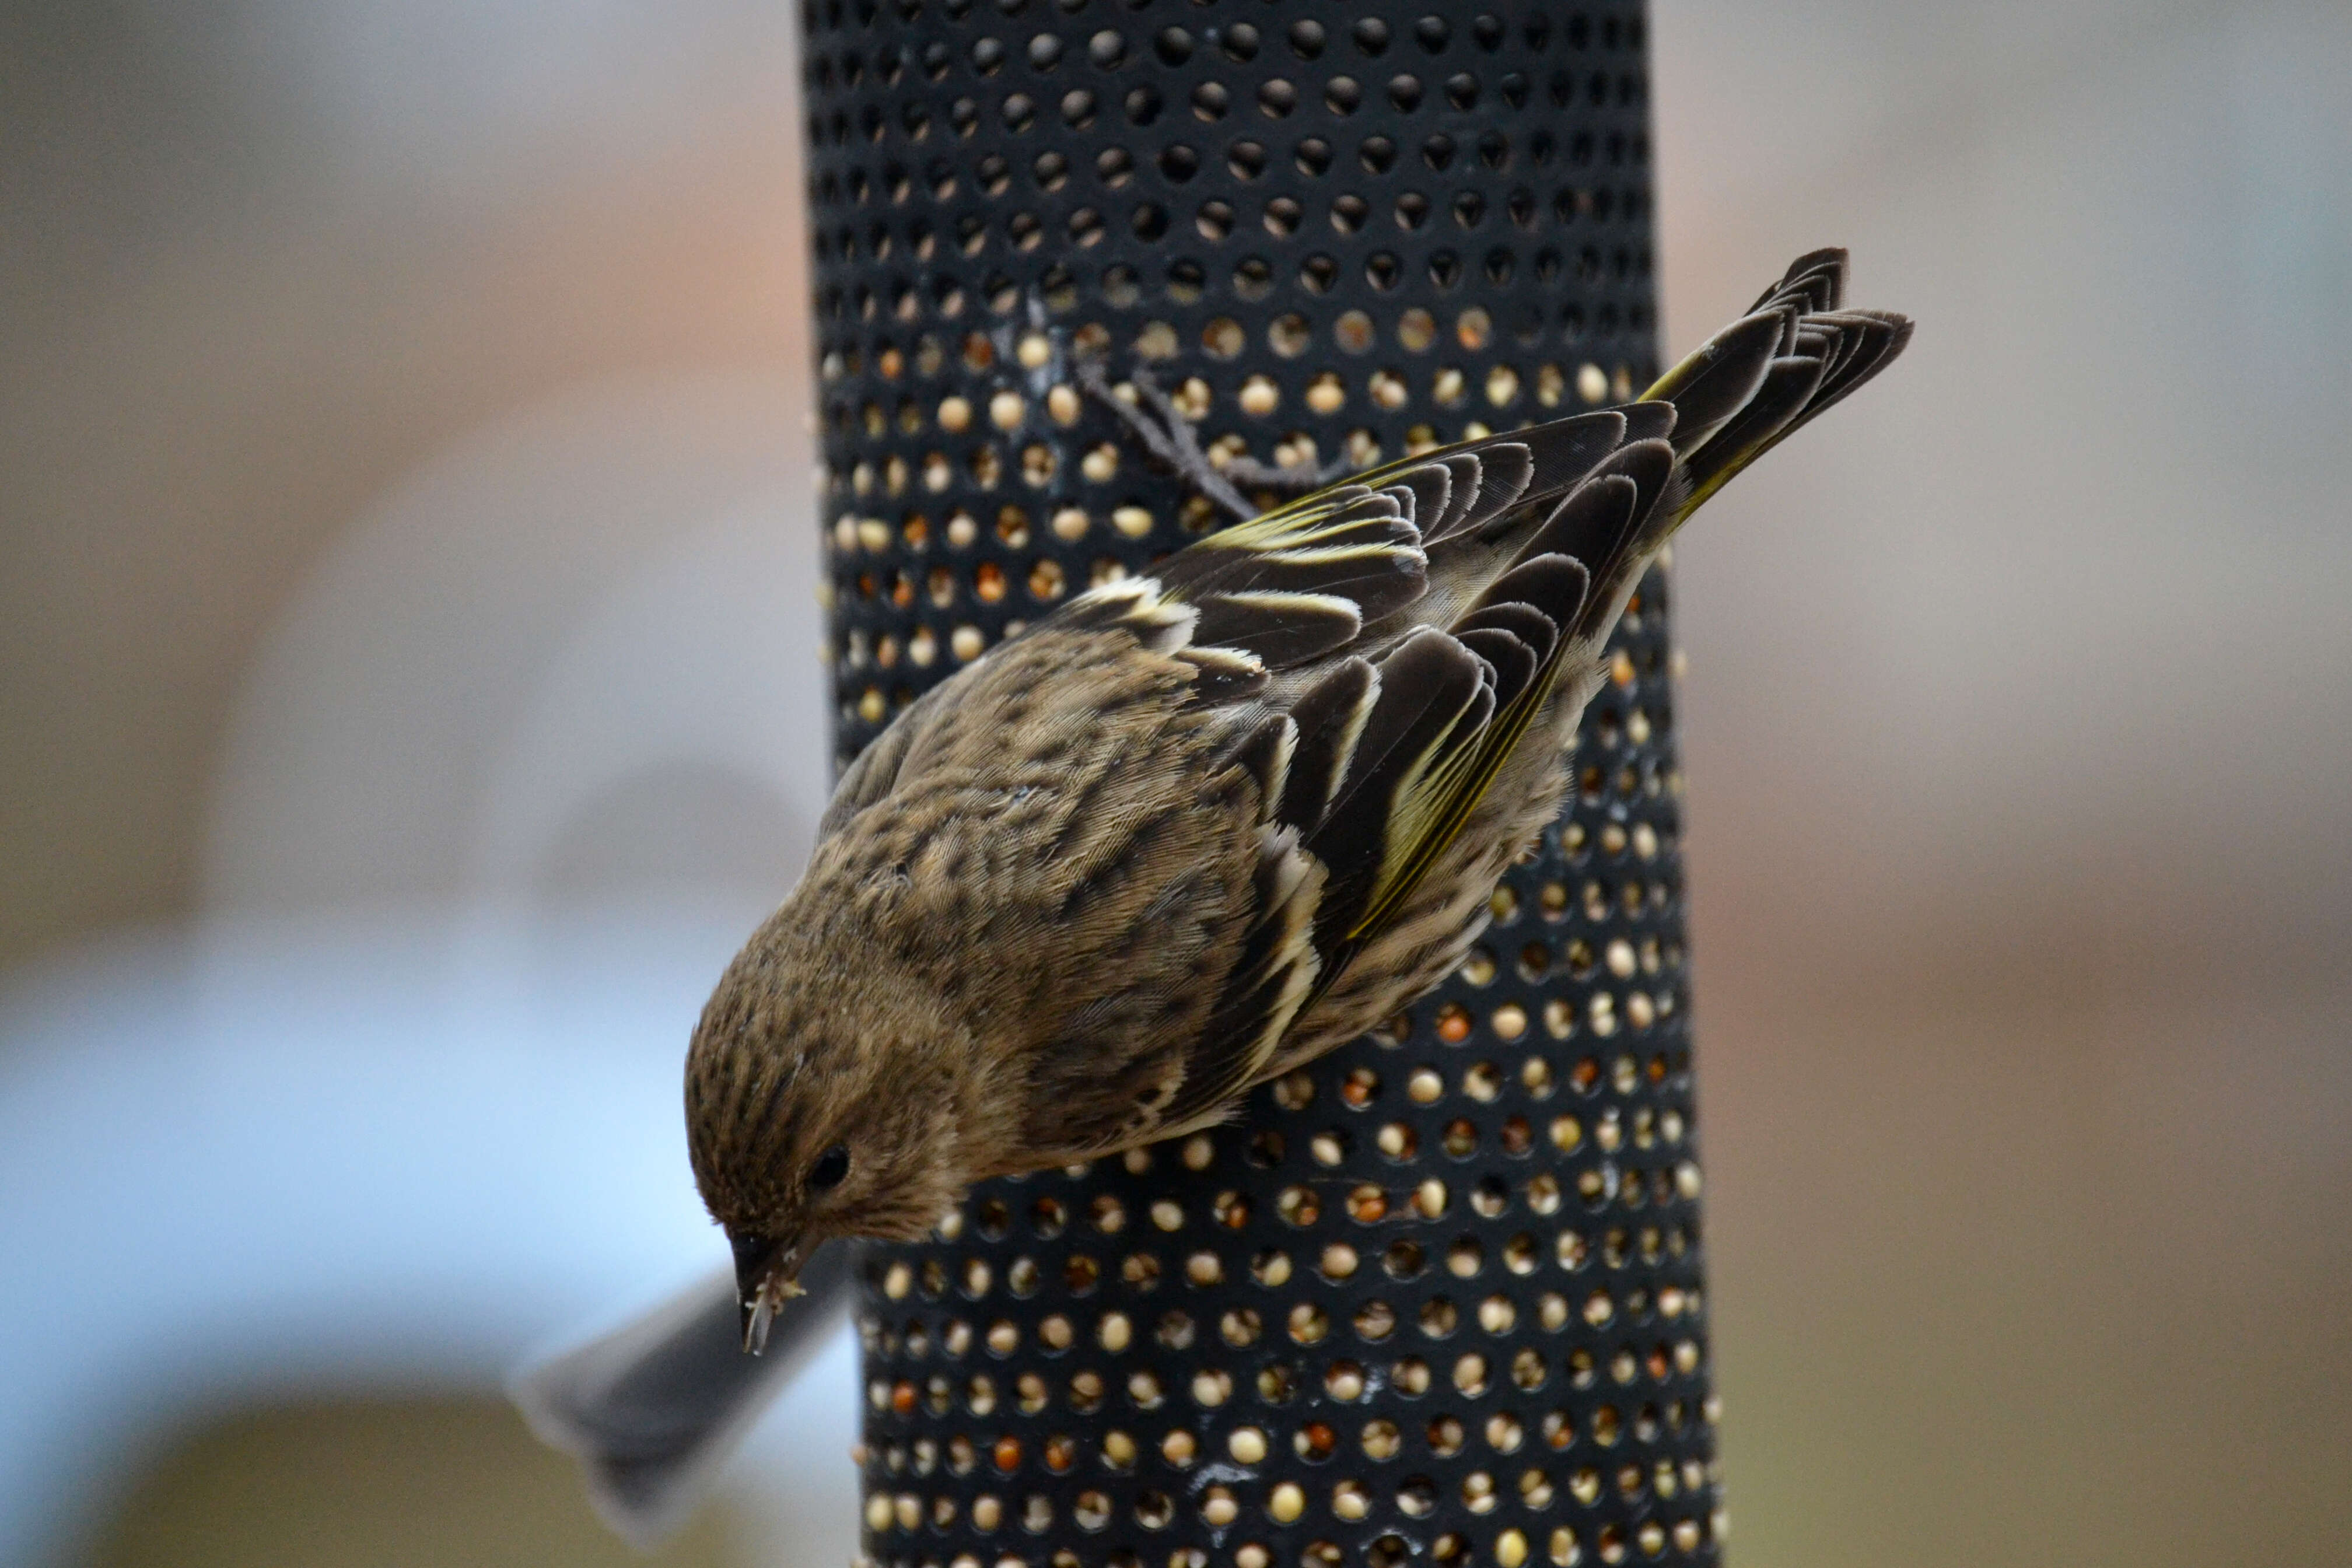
(1160, 428)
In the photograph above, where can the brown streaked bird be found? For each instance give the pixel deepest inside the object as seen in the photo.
(1195, 829)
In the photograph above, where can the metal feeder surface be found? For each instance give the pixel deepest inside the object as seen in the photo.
(1439, 1296)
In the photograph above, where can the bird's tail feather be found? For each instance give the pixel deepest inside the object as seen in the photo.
(652, 1409)
(1796, 352)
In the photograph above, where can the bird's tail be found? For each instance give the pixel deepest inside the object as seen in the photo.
(652, 1409)
(1796, 352)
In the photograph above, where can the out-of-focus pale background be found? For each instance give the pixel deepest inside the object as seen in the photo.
(407, 699)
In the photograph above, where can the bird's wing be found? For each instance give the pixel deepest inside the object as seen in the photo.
(1301, 627)
(1406, 626)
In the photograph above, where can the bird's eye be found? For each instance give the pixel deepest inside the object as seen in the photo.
(830, 1168)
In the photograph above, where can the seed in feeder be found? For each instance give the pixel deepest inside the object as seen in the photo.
(1144, 1388)
(1308, 1323)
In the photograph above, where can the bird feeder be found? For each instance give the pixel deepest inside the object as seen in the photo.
(1437, 1297)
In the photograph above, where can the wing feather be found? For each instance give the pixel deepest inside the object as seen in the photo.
(1283, 628)
(1330, 716)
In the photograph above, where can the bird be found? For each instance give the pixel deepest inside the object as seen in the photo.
(1203, 823)
(1195, 828)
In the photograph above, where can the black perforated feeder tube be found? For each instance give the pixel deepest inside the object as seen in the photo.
(1437, 1296)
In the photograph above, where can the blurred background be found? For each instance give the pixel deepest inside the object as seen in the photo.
(408, 700)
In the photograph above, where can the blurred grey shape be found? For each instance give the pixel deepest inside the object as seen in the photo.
(653, 1408)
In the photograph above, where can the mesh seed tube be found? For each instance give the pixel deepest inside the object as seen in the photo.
(1439, 1296)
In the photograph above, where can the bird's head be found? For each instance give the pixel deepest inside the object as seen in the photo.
(823, 1095)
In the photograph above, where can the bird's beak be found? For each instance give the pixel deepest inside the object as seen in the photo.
(767, 1275)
